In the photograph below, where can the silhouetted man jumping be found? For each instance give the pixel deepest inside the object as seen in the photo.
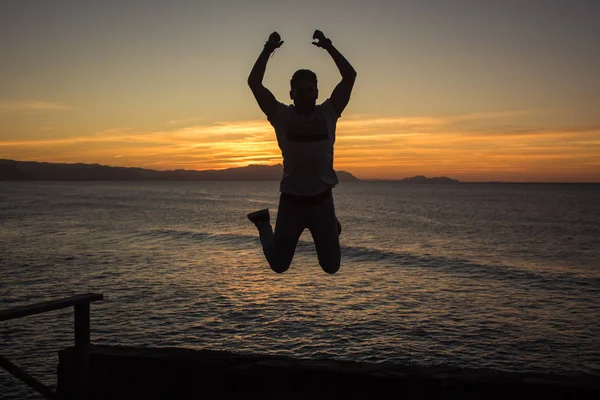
(306, 135)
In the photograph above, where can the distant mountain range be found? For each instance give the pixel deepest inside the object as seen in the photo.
(11, 170)
(41, 171)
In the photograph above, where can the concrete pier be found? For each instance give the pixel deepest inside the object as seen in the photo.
(178, 373)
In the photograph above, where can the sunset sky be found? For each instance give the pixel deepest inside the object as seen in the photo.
(476, 90)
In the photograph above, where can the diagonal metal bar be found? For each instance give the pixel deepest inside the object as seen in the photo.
(27, 378)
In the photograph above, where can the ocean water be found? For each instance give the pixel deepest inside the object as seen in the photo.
(496, 276)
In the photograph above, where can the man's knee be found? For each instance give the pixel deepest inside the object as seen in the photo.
(281, 260)
(280, 267)
(284, 248)
(330, 268)
(329, 255)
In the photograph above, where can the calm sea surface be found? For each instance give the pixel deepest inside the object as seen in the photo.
(500, 276)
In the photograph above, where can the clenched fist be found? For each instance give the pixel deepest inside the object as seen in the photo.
(321, 40)
(274, 41)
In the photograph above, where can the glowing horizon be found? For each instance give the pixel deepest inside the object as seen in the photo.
(404, 147)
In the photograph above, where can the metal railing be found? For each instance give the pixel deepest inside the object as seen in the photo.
(82, 340)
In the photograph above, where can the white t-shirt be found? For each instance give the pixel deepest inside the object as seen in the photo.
(306, 143)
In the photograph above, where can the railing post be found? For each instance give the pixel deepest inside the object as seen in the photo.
(81, 353)
(82, 349)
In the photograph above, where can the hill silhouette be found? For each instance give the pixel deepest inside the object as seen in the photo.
(42, 171)
(423, 179)
(418, 179)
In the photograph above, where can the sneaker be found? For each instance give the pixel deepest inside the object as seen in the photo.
(259, 216)
(339, 226)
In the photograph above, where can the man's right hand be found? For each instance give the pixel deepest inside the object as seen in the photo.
(274, 42)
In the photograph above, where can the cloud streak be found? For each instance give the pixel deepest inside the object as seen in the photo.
(31, 105)
(469, 147)
(184, 121)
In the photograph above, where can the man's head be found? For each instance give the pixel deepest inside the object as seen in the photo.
(304, 90)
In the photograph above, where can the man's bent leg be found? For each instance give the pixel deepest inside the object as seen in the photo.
(262, 221)
(288, 228)
(322, 223)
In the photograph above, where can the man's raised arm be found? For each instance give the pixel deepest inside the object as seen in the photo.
(263, 96)
(341, 94)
